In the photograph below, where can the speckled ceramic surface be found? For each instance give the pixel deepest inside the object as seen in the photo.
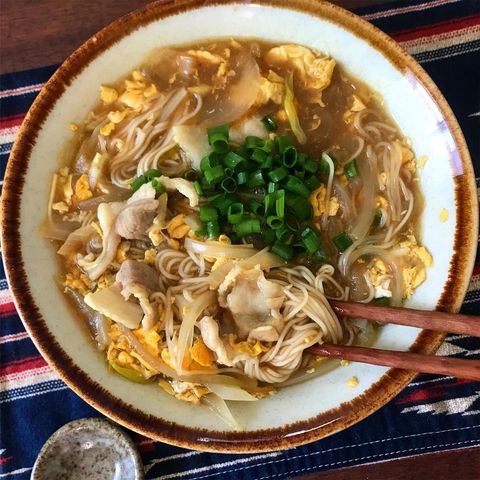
(447, 182)
(86, 449)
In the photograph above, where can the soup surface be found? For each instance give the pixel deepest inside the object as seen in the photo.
(216, 198)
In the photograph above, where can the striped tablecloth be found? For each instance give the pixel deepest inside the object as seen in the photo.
(433, 413)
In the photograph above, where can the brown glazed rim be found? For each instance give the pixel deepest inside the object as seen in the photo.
(392, 382)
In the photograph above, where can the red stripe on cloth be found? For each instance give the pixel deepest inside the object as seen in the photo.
(437, 28)
(9, 122)
(431, 393)
(29, 365)
(5, 460)
(7, 309)
(476, 269)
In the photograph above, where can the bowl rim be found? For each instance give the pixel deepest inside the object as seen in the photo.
(290, 435)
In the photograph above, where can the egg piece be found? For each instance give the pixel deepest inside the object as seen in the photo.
(319, 204)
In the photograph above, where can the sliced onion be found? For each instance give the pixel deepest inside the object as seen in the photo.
(218, 406)
(185, 335)
(116, 195)
(54, 230)
(76, 240)
(238, 98)
(193, 221)
(98, 323)
(230, 392)
(218, 249)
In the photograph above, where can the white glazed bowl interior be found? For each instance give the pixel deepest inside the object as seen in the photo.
(408, 103)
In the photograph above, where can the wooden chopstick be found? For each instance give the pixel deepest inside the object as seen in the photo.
(456, 367)
(438, 321)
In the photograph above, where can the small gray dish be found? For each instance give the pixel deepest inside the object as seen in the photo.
(90, 448)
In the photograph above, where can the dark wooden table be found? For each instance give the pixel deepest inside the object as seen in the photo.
(37, 33)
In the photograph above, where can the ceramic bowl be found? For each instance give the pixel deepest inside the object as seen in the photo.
(300, 413)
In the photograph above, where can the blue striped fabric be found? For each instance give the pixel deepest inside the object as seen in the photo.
(433, 413)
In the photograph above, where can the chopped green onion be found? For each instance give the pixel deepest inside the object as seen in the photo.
(255, 180)
(289, 156)
(278, 174)
(232, 159)
(267, 164)
(300, 207)
(138, 182)
(312, 182)
(283, 251)
(284, 235)
(272, 187)
(310, 166)
(283, 143)
(208, 162)
(269, 201)
(202, 231)
(384, 301)
(208, 214)
(213, 229)
(295, 185)
(259, 156)
(190, 175)
(246, 227)
(256, 207)
(268, 235)
(311, 240)
(299, 173)
(351, 169)
(280, 203)
(242, 178)
(222, 202)
(319, 256)
(235, 213)
(218, 138)
(253, 142)
(214, 174)
(270, 123)
(292, 223)
(324, 167)
(301, 158)
(152, 173)
(229, 185)
(158, 186)
(198, 187)
(342, 241)
(274, 222)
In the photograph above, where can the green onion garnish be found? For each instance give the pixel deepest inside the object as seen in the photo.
(213, 229)
(278, 174)
(270, 123)
(299, 206)
(310, 166)
(218, 138)
(311, 240)
(151, 174)
(242, 178)
(232, 159)
(247, 227)
(190, 175)
(283, 251)
(235, 213)
(289, 156)
(208, 214)
(312, 182)
(253, 142)
(256, 207)
(159, 188)
(229, 185)
(384, 301)
(214, 174)
(295, 185)
(342, 241)
(351, 169)
(274, 222)
(377, 219)
(198, 187)
(138, 182)
(255, 180)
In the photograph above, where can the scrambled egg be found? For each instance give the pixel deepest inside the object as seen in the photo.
(122, 250)
(443, 215)
(251, 348)
(63, 190)
(116, 116)
(319, 204)
(422, 161)
(201, 354)
(107, 129)
(105, 280)
(150, 256)
(186, 391)
(416, 259)
(108, 95)
(315, 72)
(380, 278)
(407, 156)
(82, 188)
(78, 281)
(177, 228)
(203, 56)
(352, 382)
(356, 106)
(271, 88)
(73, 127)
